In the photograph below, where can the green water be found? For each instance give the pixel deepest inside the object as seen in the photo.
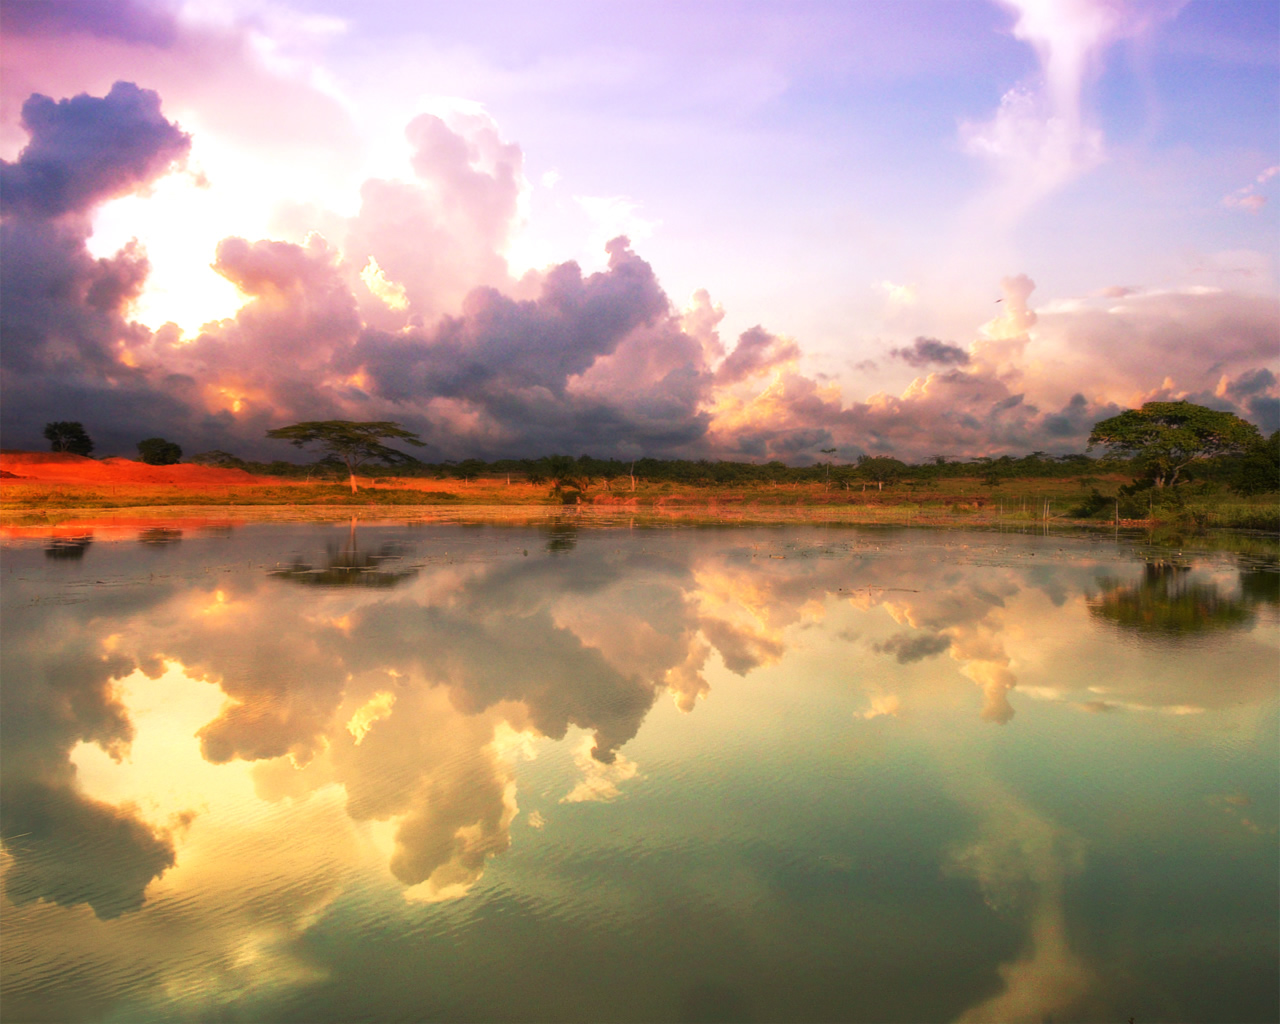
(385, 773)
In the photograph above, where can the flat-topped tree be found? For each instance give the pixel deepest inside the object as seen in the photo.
(1165, 437)
(352, 443)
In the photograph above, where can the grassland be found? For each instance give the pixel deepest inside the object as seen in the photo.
(957, 501)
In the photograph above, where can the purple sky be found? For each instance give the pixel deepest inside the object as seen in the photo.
(406, 211)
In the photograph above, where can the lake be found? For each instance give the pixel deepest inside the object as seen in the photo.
(386, 772)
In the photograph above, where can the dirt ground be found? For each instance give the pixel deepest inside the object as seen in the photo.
(64, 468)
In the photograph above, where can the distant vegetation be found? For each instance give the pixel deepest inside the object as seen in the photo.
(1254, 472)
(1172, 463)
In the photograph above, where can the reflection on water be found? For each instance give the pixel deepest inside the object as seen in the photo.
(159, 536)
(562, 536)
(348, 566)
(68, 547)
(898, 776)
(1169, 603)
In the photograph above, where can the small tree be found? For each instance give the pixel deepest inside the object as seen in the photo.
(1164, 438)
(218, 459)
(156, 451)
(828, 451)
(66, 436)
(350, 442)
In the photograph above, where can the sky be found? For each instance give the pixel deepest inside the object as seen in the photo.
(713, 230)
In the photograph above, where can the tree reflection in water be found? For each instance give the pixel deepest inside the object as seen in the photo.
(348, 566)
(68, 547)
(1260, 584)
(160, 536)
(1167, 602)
(561, 537)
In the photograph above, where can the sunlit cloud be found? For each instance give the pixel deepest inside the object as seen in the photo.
(883, 704)
(600, 782)
(370, 713)
(388, 291)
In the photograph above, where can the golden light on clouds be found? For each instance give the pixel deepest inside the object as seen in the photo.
(376, 280)
(370, 713)
(162, 772)
(600, 782)
(178, 226)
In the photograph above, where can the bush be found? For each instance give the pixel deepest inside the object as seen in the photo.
(1092, 504)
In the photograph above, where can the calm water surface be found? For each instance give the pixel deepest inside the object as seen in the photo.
(319, 773)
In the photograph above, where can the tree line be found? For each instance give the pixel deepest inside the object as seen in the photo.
(1162, 445)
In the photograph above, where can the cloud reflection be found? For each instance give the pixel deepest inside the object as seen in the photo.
(408, 699)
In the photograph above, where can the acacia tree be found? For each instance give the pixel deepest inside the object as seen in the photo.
(352, 443)
(1165, 437)
(68, 436)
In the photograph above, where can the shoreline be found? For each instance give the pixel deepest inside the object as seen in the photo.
(587, 515)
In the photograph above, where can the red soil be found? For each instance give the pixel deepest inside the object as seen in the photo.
(64, 468)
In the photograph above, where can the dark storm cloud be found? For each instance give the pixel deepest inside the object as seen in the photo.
(86, 150)
(757, 351)
(64, 324)
(500, 343)
(1249, 384)
(912, 647)
(68, 848)
(1075, 418)
(931, 352)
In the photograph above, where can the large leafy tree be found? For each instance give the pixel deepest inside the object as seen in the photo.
(156, 451)
(880, 469)
(352, 443)
(67, 436)
(1165, 437)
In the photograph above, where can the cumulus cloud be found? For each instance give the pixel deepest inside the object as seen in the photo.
(407, 311)
(441, 234)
